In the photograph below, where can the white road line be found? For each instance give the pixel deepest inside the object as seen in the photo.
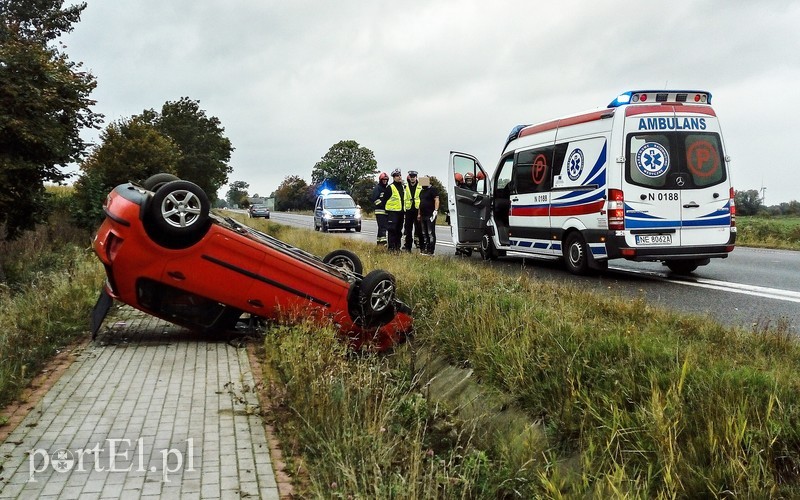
(724, 286)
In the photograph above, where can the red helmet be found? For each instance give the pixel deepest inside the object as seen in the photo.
(470, 175)
(459, 177)
(480, 176)
(383, 176)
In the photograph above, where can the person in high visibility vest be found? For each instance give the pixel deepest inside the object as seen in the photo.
(394, 211)
(413, 226)
(379, 197)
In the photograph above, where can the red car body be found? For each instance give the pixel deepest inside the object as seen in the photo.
(167, 255)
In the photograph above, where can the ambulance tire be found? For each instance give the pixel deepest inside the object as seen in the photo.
(576, 254)
(488, 250)
(682, 266)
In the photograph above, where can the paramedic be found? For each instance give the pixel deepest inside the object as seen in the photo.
(379, 197)
(469, 182)
(428, 210)
(411, 205)
(394, 210)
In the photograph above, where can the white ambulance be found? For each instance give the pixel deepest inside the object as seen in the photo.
(645, 179)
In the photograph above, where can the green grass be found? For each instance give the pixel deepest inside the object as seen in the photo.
(769, 232)
(50, 283)
(633, 401)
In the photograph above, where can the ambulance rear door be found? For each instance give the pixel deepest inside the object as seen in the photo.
(675, 180)
(468, 203)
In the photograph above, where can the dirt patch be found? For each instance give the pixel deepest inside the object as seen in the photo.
(15, 413)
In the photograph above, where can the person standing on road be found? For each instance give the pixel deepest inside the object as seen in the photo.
(412, 224)
(394, 211)
(428, 211)
(379, 197)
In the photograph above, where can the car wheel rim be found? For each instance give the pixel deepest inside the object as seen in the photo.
(181, 208)
(575, 254)
(343, 262)
(381, 295)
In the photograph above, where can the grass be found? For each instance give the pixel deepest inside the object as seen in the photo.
(50, 283)
(633, 401)
(769, 232)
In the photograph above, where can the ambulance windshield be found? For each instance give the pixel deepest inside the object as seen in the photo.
(674, 160)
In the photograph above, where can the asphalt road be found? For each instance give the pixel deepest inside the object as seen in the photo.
(751, 288)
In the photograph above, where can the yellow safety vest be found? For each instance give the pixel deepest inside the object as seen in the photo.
(407, 201)
(394, 203)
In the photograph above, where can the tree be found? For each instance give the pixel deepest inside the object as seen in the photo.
(205, 151)
(44, 104)
(129, 150)
(747, 202)
(343, 166)
(237, 193)
(293, 194)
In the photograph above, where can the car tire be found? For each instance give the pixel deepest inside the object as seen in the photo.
(178, 214)
(377, 294)
(344, 259)
(488, 250)
(154, 182)
(682, 266)
(576, 254)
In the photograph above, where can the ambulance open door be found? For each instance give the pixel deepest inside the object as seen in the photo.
(468, 200)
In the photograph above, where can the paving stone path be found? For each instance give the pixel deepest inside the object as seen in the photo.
(149, 410)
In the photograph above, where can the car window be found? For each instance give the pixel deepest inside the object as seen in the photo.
(340, 203)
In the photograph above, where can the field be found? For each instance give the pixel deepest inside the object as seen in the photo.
(769, 232)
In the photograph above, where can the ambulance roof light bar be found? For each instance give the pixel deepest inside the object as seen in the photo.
(658, 96)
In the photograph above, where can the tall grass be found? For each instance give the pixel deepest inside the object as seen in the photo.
(50, 282)
(634, 401)
(769, 232)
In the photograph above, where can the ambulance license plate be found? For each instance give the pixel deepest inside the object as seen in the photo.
(653, 239)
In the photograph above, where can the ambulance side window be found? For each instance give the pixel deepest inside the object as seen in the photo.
(533, 171)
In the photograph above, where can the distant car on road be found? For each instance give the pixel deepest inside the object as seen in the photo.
(165, 254)
(258, 211)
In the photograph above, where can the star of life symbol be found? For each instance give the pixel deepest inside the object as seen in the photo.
(575, 164)
(652, 159)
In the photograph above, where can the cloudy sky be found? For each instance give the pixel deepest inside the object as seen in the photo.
(414, 80)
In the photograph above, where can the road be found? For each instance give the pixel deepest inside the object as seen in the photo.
(753, 288)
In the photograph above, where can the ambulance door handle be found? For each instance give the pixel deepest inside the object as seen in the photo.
(691, 205)
(514, 199)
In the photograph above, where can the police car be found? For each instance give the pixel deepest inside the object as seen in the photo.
(336, 210)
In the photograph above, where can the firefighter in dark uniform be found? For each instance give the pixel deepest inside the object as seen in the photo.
(379, 197)
(394, 211)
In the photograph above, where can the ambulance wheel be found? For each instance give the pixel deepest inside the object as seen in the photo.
(488, 250)
(344, 259)
(576, 254)
(682, 266)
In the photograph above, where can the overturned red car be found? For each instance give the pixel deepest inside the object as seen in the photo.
(166, 254)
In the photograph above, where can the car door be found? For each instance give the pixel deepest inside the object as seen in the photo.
(469, 207)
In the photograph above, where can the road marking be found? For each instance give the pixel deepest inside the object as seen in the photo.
(724, 286)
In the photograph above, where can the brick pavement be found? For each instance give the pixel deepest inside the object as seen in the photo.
(149, 410)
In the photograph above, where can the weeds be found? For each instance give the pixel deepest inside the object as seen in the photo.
(634, 401)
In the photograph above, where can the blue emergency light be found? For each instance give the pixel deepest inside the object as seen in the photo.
(659, 96)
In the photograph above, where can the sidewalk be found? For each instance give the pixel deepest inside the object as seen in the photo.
(148, 410)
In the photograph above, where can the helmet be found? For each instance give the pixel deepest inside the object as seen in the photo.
(459, 177)
(396, 172)
(383, 176)
(470, 175)
(480, 176)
